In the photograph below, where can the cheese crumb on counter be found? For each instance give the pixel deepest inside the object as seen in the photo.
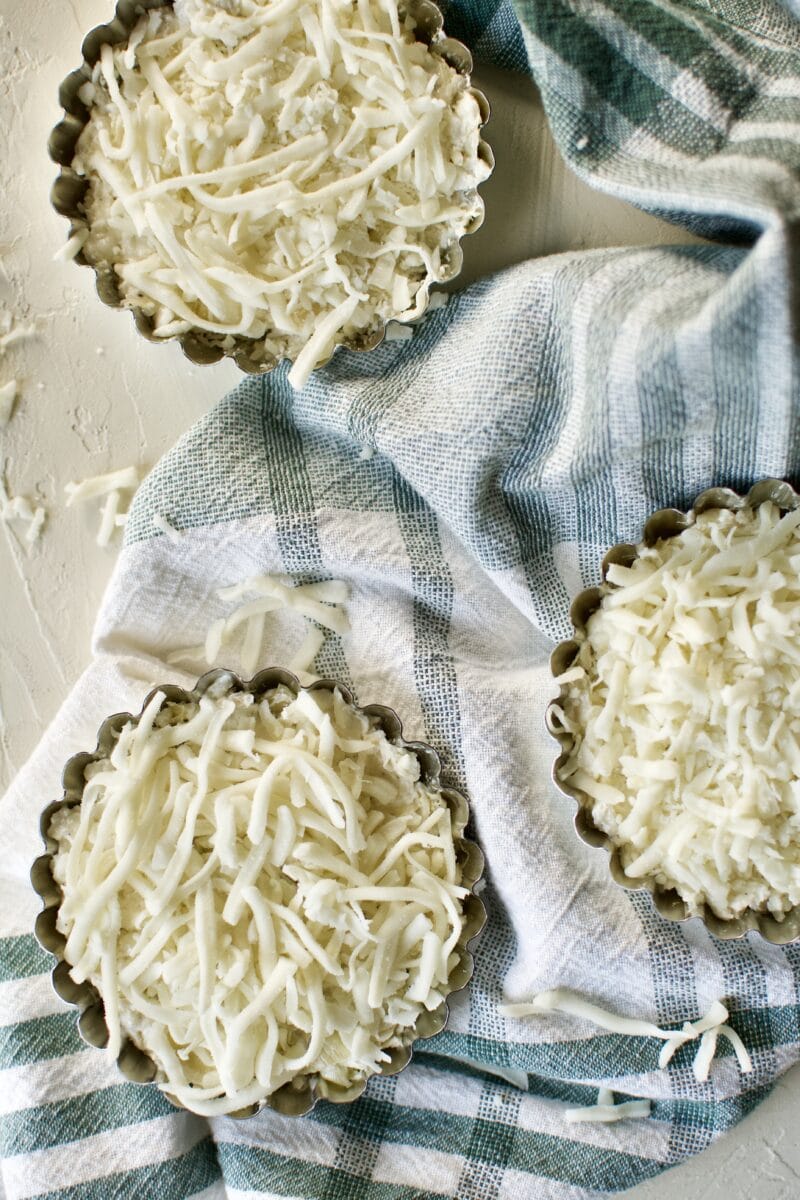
(8, 396)
(22, 508)
(165, 526)
(285, 173)
(684, 703)
(110, 487)
(259, 890)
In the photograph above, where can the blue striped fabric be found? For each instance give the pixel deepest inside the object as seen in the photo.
(466, 483)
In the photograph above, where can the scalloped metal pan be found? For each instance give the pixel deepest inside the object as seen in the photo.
(69, 188)
(667, 522)
(300, 1095)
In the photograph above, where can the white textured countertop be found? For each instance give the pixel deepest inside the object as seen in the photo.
(93, 396)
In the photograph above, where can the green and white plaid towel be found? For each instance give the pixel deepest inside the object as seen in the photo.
(534, 420)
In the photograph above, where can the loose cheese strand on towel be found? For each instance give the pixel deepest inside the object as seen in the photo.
(319, 602)
(167, 528)
(606, 1111)
(561, 1000)
(101, 485)
(575, 1005)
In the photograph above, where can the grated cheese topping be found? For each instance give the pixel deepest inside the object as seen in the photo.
(684, 702)
(126, 478)
(288, 173)
(706, 1028)
(259, 891)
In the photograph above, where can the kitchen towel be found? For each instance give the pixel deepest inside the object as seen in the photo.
(466, 483)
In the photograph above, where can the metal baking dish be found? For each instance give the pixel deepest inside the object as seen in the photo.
(301, 1094)
(665, 523)
(69, 189)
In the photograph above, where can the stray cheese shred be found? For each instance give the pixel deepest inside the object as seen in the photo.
(259, 890)
(320, 602)
(8, 396)
(706, 1029)
(165, 526)
(606, 1111)
(684, 702)
(110, 488)
(21, 508)
(280, 172)
(12, 333)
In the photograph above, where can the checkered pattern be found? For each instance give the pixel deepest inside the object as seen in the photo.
(536, 419)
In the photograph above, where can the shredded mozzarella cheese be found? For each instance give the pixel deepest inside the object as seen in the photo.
(166, 527)
(303, 660)
(259, 890)
(12, 333)
(739, 1048)
(317, 602)
(71, 248)
(606, 1111)
(110, 486)
(294, 180)
(101, 485)
(398, 333)
(513, 1075)
(8, 396)
(21, 508)
(684, 702)
(706, 1029)
(705, 1055)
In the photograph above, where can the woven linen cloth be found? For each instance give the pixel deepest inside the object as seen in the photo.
(466, 483)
